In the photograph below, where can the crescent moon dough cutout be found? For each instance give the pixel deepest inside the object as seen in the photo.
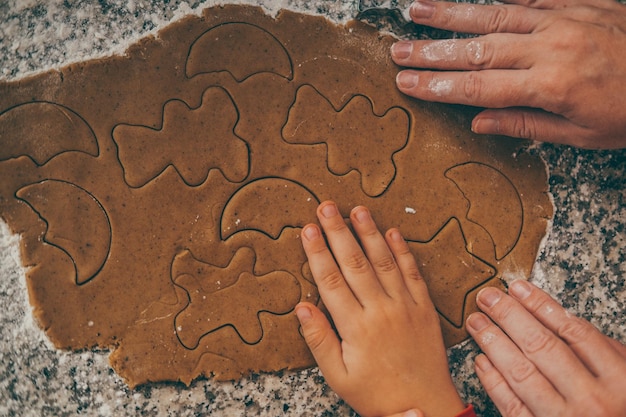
(494, 203)
(42, 130)
(268, 205)
(241, 49)
(80, 227)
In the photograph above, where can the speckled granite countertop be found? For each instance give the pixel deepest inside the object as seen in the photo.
(582, 261)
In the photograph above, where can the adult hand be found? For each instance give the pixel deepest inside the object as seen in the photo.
(539, 360)
(547, 70)
(389, 354)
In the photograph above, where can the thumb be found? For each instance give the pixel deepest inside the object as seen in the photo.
(533, 124)
(321, 339)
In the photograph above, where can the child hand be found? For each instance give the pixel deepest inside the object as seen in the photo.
(388, 353)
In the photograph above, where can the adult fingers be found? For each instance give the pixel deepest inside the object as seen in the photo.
(331, 284)
(472, 18)
(591, 346)
(355, 267)
(542, 347)
(521, 375)
(495, 51)
(498, 389)
(405, 259)
(322, 341)
(534, 124)
(378, 252)
(489, 88)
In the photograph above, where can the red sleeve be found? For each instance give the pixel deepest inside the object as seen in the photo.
(468, 412)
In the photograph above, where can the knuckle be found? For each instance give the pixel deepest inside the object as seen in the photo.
(385, 264)
(356, 262)
(539, 341)
(472, 87)
(332, 280)
(522, 371)
(514, 408)
(497, 19)
(478, 53)
(524, 127)
(413, 273)
(574, 331)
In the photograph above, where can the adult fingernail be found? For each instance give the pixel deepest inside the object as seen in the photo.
(410, 413)
(329, 210)
(303, 313)
(407, 79)
(483, 363)
(311, 232)
(422, 9)
(402, 49)
(489, 296)
(520, 289)
(486, 126)
(362, 215)
(477, 321)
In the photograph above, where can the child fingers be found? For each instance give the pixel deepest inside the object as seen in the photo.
(331, 284)
(407, 264)
(355, 267)
(378, 252)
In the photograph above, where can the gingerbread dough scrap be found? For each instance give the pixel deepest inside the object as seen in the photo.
(160, 195)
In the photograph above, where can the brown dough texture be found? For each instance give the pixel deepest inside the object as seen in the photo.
(160, 195)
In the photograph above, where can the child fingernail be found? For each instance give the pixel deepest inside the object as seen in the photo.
(329, 210)
(520, 289)
(489, 296)
(311, 232)
(362, 215)
(303, 313)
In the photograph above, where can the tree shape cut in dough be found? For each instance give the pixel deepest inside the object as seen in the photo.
(494, 203)
(194, 141)
(241, 49)
(450, 271)
(79, 226)
(232, 295)
(268, 205)
(312, 120)
(43, 130)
